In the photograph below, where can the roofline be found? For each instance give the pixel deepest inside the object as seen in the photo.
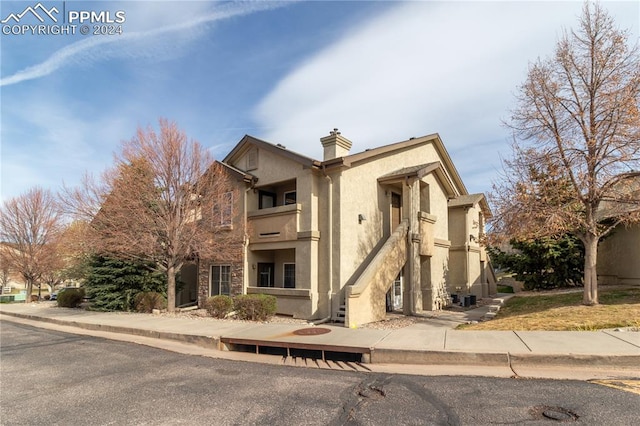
(435, 168)
(245, 176)
(248, 139)
(482, 201)
(350, 160)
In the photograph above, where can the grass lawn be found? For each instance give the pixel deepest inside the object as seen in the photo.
(619, 307)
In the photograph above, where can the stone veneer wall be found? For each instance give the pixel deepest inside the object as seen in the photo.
(237, 275)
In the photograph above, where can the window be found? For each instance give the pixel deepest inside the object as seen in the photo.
(265, 274)
(220, 280)
(223, 210)
(289, 275)
(290, 197)
(252, 159)
(226, 208)
(266, 200)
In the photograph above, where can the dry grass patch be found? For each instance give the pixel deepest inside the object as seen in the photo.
(619, 307)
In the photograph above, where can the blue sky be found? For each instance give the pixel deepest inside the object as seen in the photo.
(286, 72)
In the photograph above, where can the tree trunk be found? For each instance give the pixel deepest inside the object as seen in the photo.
(590, 271)
(29, 291)
(171, 289)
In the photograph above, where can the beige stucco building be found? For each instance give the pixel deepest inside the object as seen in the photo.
(619, 252)
(619, 257)
(350, 236)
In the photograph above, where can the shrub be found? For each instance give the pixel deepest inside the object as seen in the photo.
(219, 306)
(255, 307)
(112, 284)
(34, 298)
(70, 297)
(543, 264)
(148, 301)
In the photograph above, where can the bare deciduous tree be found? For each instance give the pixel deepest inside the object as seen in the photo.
(579, 111)
(149, 206)
(30, 224)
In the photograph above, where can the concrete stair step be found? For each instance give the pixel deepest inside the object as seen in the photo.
(340, 315)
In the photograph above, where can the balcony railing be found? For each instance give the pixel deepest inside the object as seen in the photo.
(274, 224)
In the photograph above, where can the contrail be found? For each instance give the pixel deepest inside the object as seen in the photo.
(83, 49)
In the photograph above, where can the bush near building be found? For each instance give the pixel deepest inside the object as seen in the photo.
(70, 297)
(147, 301)
(219, 306)
(254, 307)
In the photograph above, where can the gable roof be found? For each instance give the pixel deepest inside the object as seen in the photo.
(447, 163)
(470, 200)
(248, 141)
(420, 171)
(450, 175)
(240, 174)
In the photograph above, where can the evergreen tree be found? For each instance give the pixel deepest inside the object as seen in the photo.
(113, 284)
(544, 263)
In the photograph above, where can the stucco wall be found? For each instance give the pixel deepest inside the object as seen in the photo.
(360, 193)
(465, 267)
(619, 257)
(299, 233)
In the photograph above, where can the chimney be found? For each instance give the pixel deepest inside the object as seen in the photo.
(335, 145)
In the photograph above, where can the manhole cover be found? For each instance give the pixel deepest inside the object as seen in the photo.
(313, 331)
(557, 414)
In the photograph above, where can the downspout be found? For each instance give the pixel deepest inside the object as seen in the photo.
(410, 251)
(245, 243)
(330, 242)
(466, 253)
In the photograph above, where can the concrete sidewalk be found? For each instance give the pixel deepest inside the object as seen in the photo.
(425, 343)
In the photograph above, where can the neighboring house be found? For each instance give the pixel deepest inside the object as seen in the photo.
(619, 253)
(353, 235)
(9, 277)
(619, 256)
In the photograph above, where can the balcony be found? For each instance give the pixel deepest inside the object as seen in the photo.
(274, 224)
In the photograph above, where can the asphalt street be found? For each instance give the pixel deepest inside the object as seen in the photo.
(50, 377)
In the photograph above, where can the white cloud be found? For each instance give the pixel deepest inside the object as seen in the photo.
(157, 41)
(420, 68)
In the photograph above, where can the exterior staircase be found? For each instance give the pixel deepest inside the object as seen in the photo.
(341, 314)
(365, 299)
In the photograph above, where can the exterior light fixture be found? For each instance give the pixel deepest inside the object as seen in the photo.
(361, 218)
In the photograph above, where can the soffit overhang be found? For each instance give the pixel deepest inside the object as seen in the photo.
(418, 172)
(470, 200)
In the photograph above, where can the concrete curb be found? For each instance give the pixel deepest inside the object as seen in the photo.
(576, 360)
(208, 342)
(389, 356)
(418, 357)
